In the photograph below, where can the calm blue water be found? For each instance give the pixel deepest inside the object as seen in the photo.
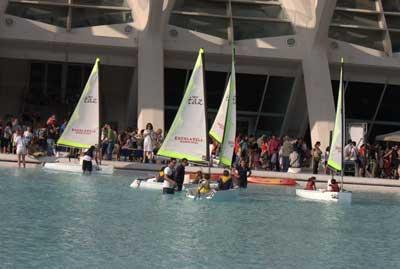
(50, 220)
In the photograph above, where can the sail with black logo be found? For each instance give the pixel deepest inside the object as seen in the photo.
(83, 128)
(187, 137)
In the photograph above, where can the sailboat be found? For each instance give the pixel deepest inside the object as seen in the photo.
(335, 160)
(187, 137)
(83, 128)
(223, 131)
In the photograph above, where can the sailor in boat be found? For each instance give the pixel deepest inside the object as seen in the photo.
(204, 189)
(160, 175)
(198, 177)
(169, 183)
(333, 186)
(88, 156)
(225, 181)
(311, 184)
(243, 171)
(179, 175)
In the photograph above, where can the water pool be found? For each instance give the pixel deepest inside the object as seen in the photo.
(50, 220)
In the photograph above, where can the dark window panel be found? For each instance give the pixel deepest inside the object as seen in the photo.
(256, 10)
(54, 15)
(85, 17)
(278, 94)
(249, 91)
(270, 125)
(250, 29)
(391, 5)
(210, 7)
(174, 83)
(355, 18)
(389, 110)
(367, 38)
(208, 25)
(358, 4)
(119, 3)
(215, 88)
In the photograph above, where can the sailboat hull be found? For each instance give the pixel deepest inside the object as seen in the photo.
(328, 196)
(152, 184)
(77, 168)
(214, 195)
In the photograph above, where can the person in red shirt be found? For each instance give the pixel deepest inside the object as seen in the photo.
(273, 153)
(334, 186)
(311, 184)
(52, 121)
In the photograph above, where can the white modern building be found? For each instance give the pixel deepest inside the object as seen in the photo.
(287, 59)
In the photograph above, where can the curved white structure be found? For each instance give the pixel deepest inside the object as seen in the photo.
(77, 168)
(329, 196)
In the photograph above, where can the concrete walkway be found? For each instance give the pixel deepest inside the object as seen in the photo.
(301, 178)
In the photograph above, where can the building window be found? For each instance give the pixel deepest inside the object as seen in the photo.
(233, 20)
(262, 100)
(72, 13)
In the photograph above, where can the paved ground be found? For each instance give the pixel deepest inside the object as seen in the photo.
(352, 183)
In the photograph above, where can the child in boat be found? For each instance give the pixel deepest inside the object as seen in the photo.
(160, 175)
(311, 184)
(198, 178)
(204, 187)
(333, 186)
(225, 181)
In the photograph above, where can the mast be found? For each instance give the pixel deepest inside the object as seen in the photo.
(99, 146)
(343, 115)
(208, 155)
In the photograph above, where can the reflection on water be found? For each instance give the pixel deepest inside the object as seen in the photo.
(54, 220)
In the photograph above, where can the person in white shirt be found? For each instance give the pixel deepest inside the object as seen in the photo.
(20, 144)
(169, 183)
(28, 135)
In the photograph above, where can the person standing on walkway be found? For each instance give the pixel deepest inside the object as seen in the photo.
(20, 144)
(287, 149)
(316, 157)
(243, 171)
(180, 173)
(111, 138)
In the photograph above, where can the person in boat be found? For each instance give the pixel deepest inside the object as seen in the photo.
(311, 184)
(88, 156)
(333, 186)
(160, 175)
(169, 183)
(179, 175)
(204, 187)
(225, 181)
(243, 171)
(198, 177)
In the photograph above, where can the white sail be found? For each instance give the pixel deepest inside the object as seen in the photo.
(336, 149)
(228, 141)
(187, 137)
(82, 130)
(218, 127)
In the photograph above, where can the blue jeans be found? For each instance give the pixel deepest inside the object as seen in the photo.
(50, 146)
(285, 163)
(110, 148)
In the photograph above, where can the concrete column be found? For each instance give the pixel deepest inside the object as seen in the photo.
(318, 88)
(151, 18)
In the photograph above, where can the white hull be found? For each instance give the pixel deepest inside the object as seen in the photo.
(77, 168)
(214, 195)
(319, 195)
(152, 184)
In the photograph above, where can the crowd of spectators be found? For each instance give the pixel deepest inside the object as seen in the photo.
(269, 153)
